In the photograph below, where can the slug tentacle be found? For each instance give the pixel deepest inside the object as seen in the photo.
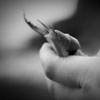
(35, 28)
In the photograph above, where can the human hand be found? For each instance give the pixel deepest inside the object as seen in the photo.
(70, 75)
(74, 77)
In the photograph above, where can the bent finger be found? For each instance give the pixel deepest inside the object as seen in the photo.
(47, 55)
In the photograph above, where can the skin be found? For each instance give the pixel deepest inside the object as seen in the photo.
(74, 77)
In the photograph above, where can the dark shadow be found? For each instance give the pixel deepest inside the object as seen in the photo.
(21, 91)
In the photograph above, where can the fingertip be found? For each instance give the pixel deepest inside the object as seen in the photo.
(47, 53)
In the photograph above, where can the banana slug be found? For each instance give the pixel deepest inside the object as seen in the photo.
(63, 44)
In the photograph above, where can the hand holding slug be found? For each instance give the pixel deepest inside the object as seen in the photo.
(74, 77)
(69, 74)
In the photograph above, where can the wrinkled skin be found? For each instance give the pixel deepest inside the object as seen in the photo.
(74, 77)
(69, 77)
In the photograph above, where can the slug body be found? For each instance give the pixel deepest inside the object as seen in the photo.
(63, 44)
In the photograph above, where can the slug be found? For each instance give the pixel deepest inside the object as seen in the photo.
(63, 44)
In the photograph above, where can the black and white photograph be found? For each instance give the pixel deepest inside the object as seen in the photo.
(49, 50)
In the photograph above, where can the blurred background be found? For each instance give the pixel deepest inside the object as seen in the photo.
(21, 73)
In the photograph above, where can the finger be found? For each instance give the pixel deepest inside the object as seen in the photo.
(76, 71)
(67, 70)
(62, 70)
(47, 55)
(73, 71)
